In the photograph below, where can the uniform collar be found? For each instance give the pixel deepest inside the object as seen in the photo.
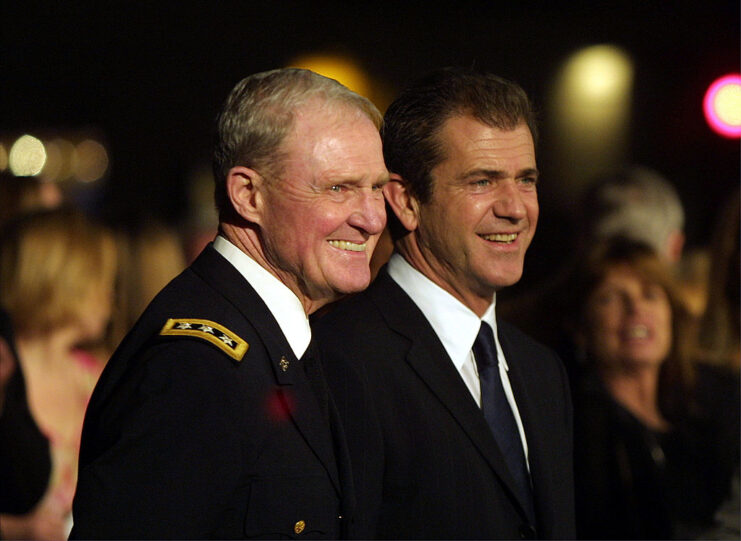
(280, 300)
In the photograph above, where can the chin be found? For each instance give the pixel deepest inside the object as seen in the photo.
(352, 286)
(504, 281)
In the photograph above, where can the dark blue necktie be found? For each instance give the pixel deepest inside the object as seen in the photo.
(498, 414)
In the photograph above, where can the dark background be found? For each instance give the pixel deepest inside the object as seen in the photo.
(148, 77)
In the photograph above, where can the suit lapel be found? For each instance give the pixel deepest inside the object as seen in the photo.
(518, 376)
(289, 374)
(428, 358)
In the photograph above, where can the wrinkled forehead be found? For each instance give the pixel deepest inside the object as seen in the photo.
(334, 138)
(320, 113)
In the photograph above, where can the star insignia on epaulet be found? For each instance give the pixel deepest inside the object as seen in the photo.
(212, 332)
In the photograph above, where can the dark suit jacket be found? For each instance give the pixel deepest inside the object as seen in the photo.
(182, 441)
(425, 463)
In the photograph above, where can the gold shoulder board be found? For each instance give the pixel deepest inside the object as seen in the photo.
(218, 335)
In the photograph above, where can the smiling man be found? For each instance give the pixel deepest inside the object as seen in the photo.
(459, 426)
(212, 419)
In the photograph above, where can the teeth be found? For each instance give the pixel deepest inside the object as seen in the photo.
(347, 245)
(638, 331)
(501, 237)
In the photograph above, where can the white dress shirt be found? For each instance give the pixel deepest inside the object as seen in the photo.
(457, 327)
(280, 300)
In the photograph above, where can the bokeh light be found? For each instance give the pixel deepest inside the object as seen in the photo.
(722, 106)
(61, 160)
(92, 161)
(3, 158)
(338, 67)
(591, 107)
(27, 156)
(596, 83)
(53, 165)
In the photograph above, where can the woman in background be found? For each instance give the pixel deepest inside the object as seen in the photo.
(647, 446)
(56, 282)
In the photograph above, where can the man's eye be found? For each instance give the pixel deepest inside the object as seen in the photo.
(529, 180)
(336, 188)
(481, 182)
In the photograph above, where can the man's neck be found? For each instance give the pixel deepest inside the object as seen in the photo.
(421, 261)
(247, 240)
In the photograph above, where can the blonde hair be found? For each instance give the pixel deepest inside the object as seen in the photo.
(51, 264)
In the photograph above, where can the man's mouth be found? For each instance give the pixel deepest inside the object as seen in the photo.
(506, 238)
(347, 245)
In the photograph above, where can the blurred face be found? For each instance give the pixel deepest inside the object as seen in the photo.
(483, 212)
(95, 312)
(629, 321)
(324, 215)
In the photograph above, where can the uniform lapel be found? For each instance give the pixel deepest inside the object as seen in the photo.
(289, 373)
(428, 358)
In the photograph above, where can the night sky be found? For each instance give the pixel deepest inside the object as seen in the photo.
(148, 77)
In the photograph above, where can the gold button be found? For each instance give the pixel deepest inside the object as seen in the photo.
(299, 526)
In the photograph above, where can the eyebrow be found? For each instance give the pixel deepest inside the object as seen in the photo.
(384, 178)
(498, 173)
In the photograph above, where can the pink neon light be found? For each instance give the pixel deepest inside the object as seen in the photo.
(708, 105)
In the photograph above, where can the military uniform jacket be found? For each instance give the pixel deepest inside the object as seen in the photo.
(205, 425)
(425, 463)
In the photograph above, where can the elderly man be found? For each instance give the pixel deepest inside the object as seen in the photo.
(212, 419)
(459, 426)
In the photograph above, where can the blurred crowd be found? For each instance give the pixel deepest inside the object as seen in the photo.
(70, 288)
(648, 331)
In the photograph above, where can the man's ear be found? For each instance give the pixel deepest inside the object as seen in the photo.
(402, 202)
(245, 187)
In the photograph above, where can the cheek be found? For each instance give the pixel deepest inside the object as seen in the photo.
(665, 324)
(603, 322)
(533, 211)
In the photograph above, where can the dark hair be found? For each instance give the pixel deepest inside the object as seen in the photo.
(412, 123)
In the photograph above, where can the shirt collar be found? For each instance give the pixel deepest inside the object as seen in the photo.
(454, 323)
(280, 300)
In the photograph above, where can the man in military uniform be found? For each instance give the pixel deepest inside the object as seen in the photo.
(212, 419)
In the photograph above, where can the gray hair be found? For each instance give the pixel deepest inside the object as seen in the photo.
(637, 203)
(258, 115)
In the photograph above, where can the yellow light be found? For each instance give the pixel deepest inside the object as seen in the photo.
(3, 158)
(69, 158)
(340, 68)
(600, 72)
(53, 165)
(728, 104)
(27, 156)
(92, 161)
(590, 108)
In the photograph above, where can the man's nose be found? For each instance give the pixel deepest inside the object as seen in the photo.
(508, 203)
(370, 212)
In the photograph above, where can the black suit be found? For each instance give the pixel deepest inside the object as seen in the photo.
(424, 460)
(183, 441)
